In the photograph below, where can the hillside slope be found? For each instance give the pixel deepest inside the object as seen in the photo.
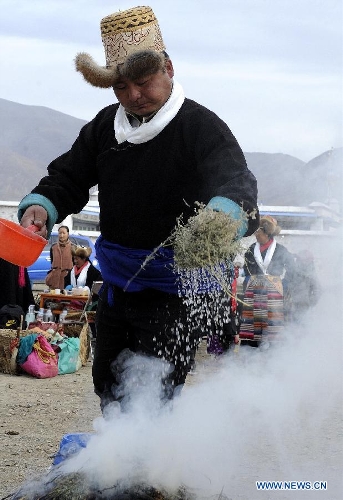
(32, 136)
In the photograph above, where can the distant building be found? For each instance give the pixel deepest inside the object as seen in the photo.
(300, 226)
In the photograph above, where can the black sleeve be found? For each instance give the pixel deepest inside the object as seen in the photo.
(93, 274)
(51, 256)
(71, 175)
(221, 162)
(67, 279)
(250, 265)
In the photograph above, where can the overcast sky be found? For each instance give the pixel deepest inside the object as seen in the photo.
(272, 69)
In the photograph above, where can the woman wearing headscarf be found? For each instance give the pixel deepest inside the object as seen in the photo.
(83, 272)
(268, 267)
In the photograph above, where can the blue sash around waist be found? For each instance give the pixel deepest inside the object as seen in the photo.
(130, 270)
(121, 266)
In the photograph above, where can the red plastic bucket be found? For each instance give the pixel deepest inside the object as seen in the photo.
(20, 245)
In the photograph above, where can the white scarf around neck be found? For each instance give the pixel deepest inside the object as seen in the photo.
(81, 278)
(263, 264)
(124, 131)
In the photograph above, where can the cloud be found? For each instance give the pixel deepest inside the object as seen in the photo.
(272, 70)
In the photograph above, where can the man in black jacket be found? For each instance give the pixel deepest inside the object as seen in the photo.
(154, 155)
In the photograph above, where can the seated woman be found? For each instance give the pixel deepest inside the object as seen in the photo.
(83, 272)
(268, 268)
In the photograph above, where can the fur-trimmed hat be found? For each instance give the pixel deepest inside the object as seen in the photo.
(123, 34)
(83, 252)
(269, 225)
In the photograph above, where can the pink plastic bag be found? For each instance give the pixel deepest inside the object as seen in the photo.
(43, 361)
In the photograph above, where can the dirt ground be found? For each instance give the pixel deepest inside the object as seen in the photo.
(36, 413)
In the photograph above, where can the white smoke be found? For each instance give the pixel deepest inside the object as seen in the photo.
(258, 416)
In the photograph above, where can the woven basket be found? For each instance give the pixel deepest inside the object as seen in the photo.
(6, 364)
(80, 330)
(74, 315)
(7, 359)
(81, 315)
(91, 315)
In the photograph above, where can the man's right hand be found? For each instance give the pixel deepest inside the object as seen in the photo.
(37, 216)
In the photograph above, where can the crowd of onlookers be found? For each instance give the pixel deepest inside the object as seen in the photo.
(271, 286)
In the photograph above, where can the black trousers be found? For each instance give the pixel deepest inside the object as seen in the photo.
(149, 322)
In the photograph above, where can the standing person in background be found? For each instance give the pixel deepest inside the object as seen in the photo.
(154, 156)
(15, 286)
(305, 290)
(268, 266)
(61, 259)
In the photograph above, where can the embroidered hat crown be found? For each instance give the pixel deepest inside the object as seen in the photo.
(123, 34)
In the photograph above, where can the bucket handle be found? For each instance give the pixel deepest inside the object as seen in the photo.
(33, 228)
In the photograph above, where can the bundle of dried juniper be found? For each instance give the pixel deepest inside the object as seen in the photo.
(207, 242)
(206, 239)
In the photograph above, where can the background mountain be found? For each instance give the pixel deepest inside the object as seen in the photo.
(32, 136)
